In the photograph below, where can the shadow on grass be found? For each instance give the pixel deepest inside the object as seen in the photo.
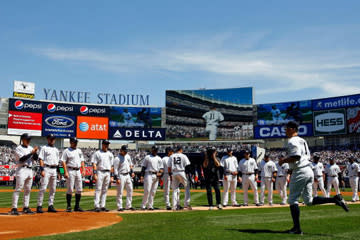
(255, 231)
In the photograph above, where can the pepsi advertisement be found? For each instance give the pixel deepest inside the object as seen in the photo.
(148, 134)
(63, 126)
(26, 105)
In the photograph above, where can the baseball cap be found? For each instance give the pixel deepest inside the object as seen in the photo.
(247, 151)
(154, 148)
(267, 154)
(169, 149)
(50, 136)
(73, 140)
(124, 148)
(179, 147)
(293, 125)
(229, 150)
(106, 142)
(25, 136)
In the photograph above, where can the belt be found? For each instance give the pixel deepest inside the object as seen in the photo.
(152, 172)
(248, 174)
(333, 176)
(354, 176)
(318, 176)
(72, 168)
(51, 166)
(104, 170)
(27, 167)
(281, 176)
(124, 174)
(179, 171)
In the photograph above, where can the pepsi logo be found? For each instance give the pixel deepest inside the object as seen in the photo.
(84, 110)
(19, 104)
(51, 107)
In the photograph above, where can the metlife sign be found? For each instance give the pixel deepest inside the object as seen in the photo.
(331, 122)
(336, 102)
(63, 126)
(144, 134)
(270, 131)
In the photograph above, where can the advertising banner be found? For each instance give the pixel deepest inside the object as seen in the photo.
(271, 131)
(336, 102)
(128, 117)
(353, 120)
(92, 127)
(281, 113)
(153, 134)
(24, 89)
(331, 122)
(62, 126)
(92, 110)
(26, 105)
(24, 122)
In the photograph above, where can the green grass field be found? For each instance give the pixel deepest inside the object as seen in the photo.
(324, 222)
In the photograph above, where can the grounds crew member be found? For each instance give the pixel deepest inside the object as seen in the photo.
(49, 168)
(268, 174)
(72, 161)
(123, 171)
(25, 155)
(103, 171)
(152, 170)
(179, 169)
(230, 164)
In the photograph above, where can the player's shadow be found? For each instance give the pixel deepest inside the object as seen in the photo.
(255, 231)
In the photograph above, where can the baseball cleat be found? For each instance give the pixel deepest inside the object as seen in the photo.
(104, 209)
(27, 211)
(245, 205)
(52, 209)
(259, 204)
(78, 209)
(188, 207)
(282, 204)
(151, 209)
(97, 210)
(68, 209)
(295, 231)
(130, 209)
(178, 207)
(14, 211)
(219, 206)
(211, 208)
(143, 209)
(168, 208)
(341, 202)
(120, 210)
(224, 206)
(39, 209)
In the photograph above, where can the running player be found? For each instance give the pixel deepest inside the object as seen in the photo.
(25, 155)
(213, 119)
(302, 177)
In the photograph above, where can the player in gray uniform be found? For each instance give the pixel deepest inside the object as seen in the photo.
(333, 172)
(49, 166)
(123, 171)
(354, 173)
(25, 155)
(268, 174)
(72, 161)
(302, 177)
(152, 170)
(103, 170)
(213, 119)
(248, 171)
(230, 164)
(282, 178)
(166, 177)
(179, 170)
(318, 169)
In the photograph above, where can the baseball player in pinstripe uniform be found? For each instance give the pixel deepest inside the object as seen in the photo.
(49, 167)
(282, 178)
(230, 164)
(319, 175)
(72, 161)
(332, 171)
(166, 177)
(268, 173)
(354, 173)
(302, 177)
(25, 155)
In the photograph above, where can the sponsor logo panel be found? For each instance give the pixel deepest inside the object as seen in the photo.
(270, 131)
(329, 122)
(24, 122)
(155, 134)
(92, 127)
(59, 125)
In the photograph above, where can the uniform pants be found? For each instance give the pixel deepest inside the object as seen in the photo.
(178, 178)
(230, 183)
(167, 184)
(354, 183)
(125, 182)
(333, 181)
(212, 130)
(74, 180)
(249, 181)
(268, 183)
(101, 188)
(319, 184)
(151, 183)
(281, 186)
(24, 180)
(50, 179)
(301, 183)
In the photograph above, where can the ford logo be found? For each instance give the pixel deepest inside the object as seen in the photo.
(59, 122)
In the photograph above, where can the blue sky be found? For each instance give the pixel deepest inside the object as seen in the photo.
(286, 50)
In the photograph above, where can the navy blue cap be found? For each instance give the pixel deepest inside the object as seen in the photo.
(25, 136)
(154, 148)
(73, 140)
(293, 125)
(124, 148)
(50, 136)
(106, 142)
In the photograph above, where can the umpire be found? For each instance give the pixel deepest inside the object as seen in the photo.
(211, 169)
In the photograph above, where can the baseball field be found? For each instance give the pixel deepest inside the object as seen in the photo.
(324, 222)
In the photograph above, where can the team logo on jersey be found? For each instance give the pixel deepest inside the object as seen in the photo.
(51, 107)
(19, 104)
(84, 110)
(84, 126)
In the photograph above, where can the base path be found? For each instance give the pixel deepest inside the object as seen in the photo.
(45, 224)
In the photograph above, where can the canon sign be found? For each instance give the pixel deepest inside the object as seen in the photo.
(329, 122)
(279, 131)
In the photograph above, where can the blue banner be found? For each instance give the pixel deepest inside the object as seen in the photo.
(59, 125)
(336, 102)
(260, 132)
(153, 134)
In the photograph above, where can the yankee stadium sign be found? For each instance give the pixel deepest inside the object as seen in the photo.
(101, 98)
